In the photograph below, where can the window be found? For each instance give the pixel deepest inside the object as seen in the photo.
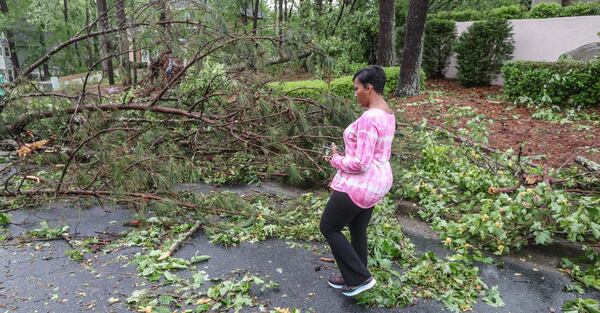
(11, 75)
(1, 52)
(6, 51)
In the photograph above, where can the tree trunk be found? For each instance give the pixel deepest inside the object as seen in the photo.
(165, 15)
(135, 61)
(245, 15)
(124, 43)
(280, 13)
(90, 43)
(319, 5)
(14, 59)
(408, 80)
(105, 47)
(66, 10)
(289, 15)
(385, 41)
(66, 19)
(255, 16)
(337, 21)
(352, 6)
(46, 69)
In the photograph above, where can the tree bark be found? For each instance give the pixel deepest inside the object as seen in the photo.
(589, 164)
(165, 15)
(280, 13)
(289, 15)
(46, 70)
(66, 10)
(124, 43)
(245, 14)
(339, 17)
(408, 80)
(255, 16)
(24, 120)
(14, 59)
(90, 43)
(385, 41)
(105, 47)
(135, 61)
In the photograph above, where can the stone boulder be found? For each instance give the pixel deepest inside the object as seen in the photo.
(583, 53)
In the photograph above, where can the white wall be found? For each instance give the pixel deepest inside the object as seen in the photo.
(544, 39)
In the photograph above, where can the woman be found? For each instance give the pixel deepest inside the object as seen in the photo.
(363, 177)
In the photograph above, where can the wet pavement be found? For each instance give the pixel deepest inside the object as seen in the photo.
(39, 277)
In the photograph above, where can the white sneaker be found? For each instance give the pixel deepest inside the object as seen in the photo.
(353, 291)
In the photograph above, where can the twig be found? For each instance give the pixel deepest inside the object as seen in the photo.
(589, 164)
(28, 118)
(64, 172)
(177, 244)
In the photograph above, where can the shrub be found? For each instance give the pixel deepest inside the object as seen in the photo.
(507, 12)
(458, 15)
(545, 10)
(503, 12)
(343, 66)
(482, 49)
(440, 35)
(300, 88)
(557, 83)
(581, 9)
(344, 86)
(542, 10)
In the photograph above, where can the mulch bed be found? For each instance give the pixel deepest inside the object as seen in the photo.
(557, 144)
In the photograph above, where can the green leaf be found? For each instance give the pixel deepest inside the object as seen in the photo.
(492, 297)
(241, 301)
(595, 230)
(575, 288)
(199, 258)
(4, 219)
(136, 296)
(543, 237)
(148, 270)
(170, 277)
(165, 299)
(199, 279)
(161, 309)
(581, 305)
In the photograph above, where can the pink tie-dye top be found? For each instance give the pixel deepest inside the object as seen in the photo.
(364, 172)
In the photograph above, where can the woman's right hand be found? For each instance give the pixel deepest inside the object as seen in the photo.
(333, 149)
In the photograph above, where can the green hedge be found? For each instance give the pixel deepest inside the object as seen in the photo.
(559, 83)
(547, 10)
(300, 88)
(343, 86)
(542, 10)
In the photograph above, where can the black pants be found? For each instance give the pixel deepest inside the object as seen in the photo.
(351, 258)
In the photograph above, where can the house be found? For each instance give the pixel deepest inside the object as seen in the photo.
(6, 66)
